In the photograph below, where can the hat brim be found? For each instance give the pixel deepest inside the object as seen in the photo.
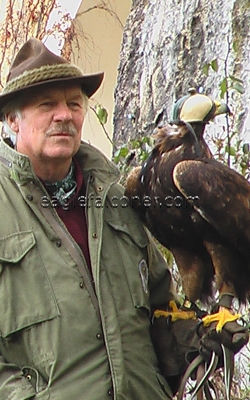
(88, 83)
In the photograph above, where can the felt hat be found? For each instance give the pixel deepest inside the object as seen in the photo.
(35, 65)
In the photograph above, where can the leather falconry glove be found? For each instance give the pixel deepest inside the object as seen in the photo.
(233, 336)
(178, 343)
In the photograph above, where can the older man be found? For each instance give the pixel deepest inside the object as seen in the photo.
(79, 275)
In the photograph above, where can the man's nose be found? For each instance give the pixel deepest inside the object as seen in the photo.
(63, 113)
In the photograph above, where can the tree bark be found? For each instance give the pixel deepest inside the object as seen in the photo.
(165, 46)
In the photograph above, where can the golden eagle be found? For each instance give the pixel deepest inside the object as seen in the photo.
(196, 207)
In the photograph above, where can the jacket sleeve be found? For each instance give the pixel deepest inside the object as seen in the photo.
(169, 349)
(160, 279)
(13, 384)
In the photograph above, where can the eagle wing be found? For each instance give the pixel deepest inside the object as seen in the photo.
(220, 195)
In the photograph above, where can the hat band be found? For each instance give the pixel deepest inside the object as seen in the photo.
(41, 74)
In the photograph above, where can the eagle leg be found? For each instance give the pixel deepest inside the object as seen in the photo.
(223, 315)
(191, 306)
(175, 313)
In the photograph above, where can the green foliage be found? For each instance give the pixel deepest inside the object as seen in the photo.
(241, 157)
(230, 148)
(134, 152)
(237, 84)
(101, 113)
(213, 64)
(229, 82)
(102, 116)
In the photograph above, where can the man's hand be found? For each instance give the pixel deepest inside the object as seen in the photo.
(233, 336)
(178, 343)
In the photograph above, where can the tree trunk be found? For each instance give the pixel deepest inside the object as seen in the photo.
(170, 46)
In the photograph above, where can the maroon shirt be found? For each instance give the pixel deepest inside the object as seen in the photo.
(73, 214)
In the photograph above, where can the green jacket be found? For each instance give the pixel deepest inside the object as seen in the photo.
(64, 334)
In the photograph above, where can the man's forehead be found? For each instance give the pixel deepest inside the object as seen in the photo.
(54, 90)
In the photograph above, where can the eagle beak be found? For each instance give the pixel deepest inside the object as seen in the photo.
(221, 108)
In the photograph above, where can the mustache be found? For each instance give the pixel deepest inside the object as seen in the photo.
(67, 128)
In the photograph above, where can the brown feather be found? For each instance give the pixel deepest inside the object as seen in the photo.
(198, 209)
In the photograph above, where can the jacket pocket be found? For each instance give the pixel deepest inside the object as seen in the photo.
(26, 296)
(36, 380)
(132, 241)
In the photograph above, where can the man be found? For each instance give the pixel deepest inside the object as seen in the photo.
(79, 276)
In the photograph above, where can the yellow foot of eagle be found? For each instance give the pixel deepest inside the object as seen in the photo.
(175, 313)
(221, 317)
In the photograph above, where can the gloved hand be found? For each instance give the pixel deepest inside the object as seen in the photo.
(178, 343)
(233, 336)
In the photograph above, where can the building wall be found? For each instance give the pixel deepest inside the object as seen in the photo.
(99, 37)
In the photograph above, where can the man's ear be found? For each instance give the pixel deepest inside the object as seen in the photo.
(12, 120)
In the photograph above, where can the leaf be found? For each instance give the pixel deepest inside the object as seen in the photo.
(144, 156)
(123, 152)
(232, 151)
(223, 87)
(101, 113)
(239, 87)
(214, 64)
(235, 46)
(246, 148)
(205, 69)
(120, 154)
(233, 78)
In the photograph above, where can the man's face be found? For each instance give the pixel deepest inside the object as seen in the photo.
(50, 124)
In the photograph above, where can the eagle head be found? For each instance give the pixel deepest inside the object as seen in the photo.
(197, 107)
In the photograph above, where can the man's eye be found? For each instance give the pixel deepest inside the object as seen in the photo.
(46, 104)
(75, 105)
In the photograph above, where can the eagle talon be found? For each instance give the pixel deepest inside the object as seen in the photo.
(221, 317)
(175, 313)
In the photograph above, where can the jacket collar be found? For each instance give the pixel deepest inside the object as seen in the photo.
(95, 164)
(92, 161)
